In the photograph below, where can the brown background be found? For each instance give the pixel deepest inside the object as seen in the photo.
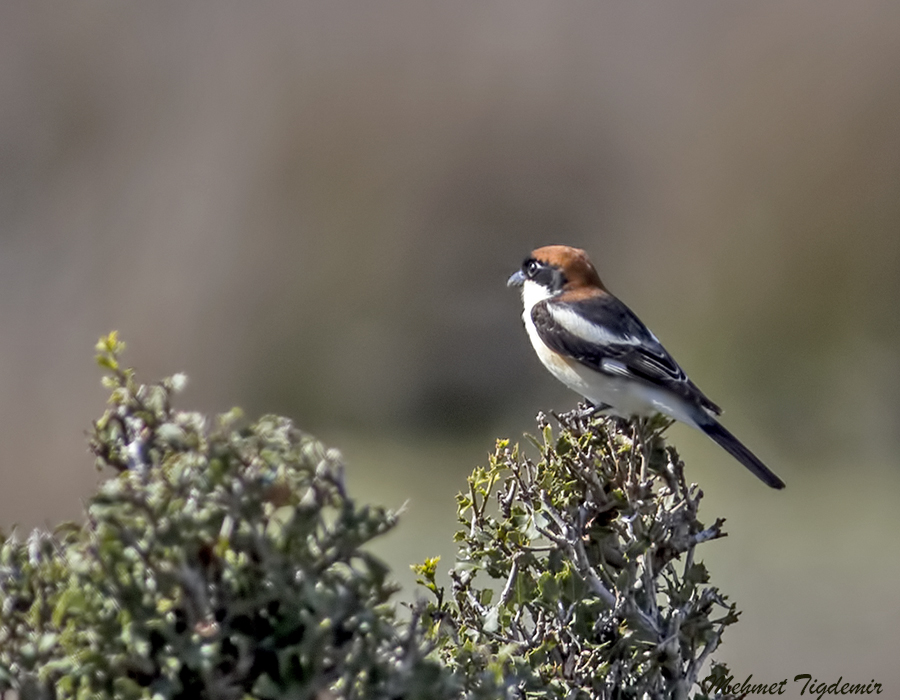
(311, 208)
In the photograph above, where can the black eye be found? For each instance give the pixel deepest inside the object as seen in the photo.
(531, 268)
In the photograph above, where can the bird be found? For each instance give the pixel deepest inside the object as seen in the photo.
(595, 345)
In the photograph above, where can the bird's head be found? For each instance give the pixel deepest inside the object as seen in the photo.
(555, 269)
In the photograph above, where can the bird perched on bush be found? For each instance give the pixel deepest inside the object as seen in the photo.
(598, 347)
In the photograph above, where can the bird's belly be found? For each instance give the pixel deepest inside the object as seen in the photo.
(627, 397)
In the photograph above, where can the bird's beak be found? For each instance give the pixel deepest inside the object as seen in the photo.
(517, 279)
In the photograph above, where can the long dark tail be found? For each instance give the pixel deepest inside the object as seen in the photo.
(736, 449)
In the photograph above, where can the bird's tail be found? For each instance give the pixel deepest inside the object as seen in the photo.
(736, 449)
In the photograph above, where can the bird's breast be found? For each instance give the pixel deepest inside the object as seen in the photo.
(627, 397)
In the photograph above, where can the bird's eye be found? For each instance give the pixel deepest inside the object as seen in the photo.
(531, 268)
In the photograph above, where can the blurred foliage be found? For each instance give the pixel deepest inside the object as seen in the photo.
(219, 563)
(225, 562)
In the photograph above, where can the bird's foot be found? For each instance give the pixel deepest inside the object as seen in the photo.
(581, 417)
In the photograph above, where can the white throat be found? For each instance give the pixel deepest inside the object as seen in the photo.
(533, 293)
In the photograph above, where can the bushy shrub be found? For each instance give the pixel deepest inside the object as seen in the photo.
(221, 561)
(218, 563)
(592, 587)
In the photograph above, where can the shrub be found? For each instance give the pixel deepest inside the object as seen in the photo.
(593, 589)
(222, 562)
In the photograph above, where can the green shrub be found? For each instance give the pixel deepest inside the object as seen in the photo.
(593, 590)
(229, 562)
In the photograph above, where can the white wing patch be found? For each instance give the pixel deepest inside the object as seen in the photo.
(582, 328)
(614, 367)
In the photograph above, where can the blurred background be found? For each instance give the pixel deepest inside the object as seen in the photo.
(312, 208)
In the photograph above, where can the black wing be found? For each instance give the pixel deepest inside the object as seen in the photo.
(623, 346)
